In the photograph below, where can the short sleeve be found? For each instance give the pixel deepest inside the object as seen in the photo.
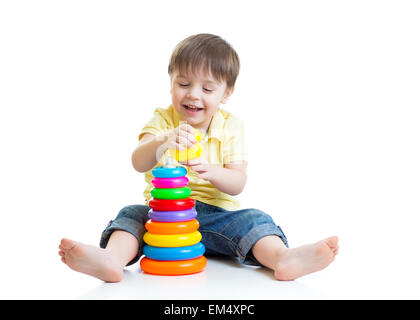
(158, 125)
(234, 144)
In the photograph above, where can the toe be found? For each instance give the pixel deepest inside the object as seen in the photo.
(67, 244)
(332, 242)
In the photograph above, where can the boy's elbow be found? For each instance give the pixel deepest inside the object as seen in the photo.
(235, 193)
(239, 191)
(136, 164)
(239, 186)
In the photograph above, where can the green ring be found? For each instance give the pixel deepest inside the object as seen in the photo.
(170, 193)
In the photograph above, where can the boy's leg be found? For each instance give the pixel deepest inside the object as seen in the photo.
(123, 246)
(267, 250)
(252, 235)
(289, 264)
(234, 233)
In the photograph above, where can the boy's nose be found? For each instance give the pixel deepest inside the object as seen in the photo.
(193, 93)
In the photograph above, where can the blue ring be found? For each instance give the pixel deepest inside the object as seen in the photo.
(162, 172)
(176, 253)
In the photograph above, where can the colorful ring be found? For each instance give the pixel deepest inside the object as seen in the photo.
(173, 268)
(171, 205)
(172, 240)
(172, 216)
(177, 253)
(158, 227)
(170, 182)
(185, 155)
(162, 172)
(170, 193)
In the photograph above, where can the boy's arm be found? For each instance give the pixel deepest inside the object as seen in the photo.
(144, 156)
(230, 179)
(152, 148)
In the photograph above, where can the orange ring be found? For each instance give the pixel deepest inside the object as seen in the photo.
(172, 227)
(173, 268)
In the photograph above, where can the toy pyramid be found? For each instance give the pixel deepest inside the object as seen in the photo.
(172, 239)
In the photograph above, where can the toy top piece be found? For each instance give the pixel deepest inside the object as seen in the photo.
(190, 153)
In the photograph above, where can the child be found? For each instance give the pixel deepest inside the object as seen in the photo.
(203, 70)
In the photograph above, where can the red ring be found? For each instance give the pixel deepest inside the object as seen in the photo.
(171, 204)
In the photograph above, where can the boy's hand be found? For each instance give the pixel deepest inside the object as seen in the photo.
(204, 170)
(181, 137)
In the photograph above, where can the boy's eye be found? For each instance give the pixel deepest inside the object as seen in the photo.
(207, 90)
(184, 84)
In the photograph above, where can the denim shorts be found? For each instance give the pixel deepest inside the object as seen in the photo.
(224, 233)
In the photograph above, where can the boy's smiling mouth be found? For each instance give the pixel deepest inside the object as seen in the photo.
(192, 108)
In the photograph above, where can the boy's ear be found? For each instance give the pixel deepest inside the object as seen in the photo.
(227, 95)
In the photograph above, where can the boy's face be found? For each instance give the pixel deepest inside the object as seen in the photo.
(196, 97)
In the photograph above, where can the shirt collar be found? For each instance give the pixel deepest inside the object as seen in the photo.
(216, 126)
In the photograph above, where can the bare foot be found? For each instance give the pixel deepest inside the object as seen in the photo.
(296, 262)
(90, 260)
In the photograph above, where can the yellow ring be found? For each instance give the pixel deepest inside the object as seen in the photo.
(172, 240)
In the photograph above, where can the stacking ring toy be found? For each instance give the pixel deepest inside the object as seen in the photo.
(179, 253)
(171, 205)
(170, 182)
(190, 153)
(173, 268)
(170, 193)
(185, 155)
(162, 172)
(172, 240)
(172, 227)
(172, 216)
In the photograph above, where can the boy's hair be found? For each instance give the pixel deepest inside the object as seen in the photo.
(209, 52)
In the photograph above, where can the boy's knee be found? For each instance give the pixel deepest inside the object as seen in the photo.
(136, 212)
(256, 216)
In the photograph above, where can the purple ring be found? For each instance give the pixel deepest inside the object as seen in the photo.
(172, 216)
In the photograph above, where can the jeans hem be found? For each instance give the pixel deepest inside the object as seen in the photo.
(247, 242)
(125, 224)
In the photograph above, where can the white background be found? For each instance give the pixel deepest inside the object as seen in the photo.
(329, 93)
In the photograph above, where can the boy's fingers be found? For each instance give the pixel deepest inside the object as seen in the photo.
(193, 162)
(178, 146)
(204, 176)
(190, 129)
(199, 168)
(187, 128)
(184, 142)
(192, 141)
(174, 145)
(188, 136)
